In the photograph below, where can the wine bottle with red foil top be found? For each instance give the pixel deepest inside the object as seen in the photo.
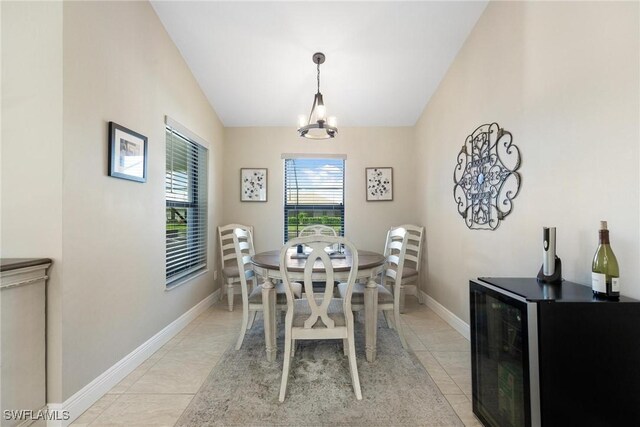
(605, 275)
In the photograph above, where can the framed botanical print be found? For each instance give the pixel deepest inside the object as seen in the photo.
(379, 184)
(253, 185)
(127, 153)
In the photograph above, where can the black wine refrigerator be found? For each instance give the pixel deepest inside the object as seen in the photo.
(553, 355)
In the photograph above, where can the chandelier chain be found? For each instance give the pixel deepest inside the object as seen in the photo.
(318, 77)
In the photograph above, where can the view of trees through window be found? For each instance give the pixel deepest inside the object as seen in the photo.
(314, 194)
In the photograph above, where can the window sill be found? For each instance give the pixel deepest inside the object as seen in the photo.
(171, 286)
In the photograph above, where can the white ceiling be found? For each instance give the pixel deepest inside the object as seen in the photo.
(384, 59)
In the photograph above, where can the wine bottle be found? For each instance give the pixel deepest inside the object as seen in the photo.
(605, 276)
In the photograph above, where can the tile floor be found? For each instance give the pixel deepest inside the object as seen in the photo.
(159, 390)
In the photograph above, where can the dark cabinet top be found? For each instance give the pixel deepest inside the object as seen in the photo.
(532, 290)
(7, 264)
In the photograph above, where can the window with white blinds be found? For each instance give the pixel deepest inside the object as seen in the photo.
(186, 199)
(313, 194)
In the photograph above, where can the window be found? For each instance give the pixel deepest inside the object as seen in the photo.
(313, 194)
(186, 200)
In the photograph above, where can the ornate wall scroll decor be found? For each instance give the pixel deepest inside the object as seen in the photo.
(485, 177)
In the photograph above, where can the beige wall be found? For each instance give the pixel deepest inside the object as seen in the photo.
(120, 65)
(68, 69)
(564, 79)
(31, 168)
(366, 223)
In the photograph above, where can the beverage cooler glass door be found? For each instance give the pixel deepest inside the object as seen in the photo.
(499, 358)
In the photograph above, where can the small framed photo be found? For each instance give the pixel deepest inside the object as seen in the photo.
(253, 185)
(379, 184)
(127, 153)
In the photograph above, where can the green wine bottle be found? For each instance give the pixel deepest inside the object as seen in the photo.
(605, 276)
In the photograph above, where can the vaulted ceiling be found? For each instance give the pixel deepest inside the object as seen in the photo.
(384, 59)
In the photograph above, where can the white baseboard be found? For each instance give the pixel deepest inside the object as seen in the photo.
(89, 394)
(456, 323)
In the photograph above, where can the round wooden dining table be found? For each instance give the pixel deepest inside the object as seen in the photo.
(267, 265)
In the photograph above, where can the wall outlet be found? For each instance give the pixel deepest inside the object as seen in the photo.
(215, 274)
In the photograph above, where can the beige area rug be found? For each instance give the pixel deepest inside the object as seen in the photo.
(243, 388)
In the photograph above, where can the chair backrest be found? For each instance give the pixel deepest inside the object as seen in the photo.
(317, 230)
(243, 250)
(414, 245)
(319, 259)
(395, 254)
(225, 239)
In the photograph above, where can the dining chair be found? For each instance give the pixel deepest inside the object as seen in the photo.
(319, 315)
(317, 230)
(228, 264)
(411, 270)
(252, 302)
(388, 301)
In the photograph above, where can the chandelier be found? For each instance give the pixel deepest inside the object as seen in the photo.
(318, 126)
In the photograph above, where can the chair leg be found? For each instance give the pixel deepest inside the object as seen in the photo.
(243, 328)
(353, 367)
(396, 318)
(230, 295)
(387, 317)
(252, 317)
(419, 292)
(285, 368)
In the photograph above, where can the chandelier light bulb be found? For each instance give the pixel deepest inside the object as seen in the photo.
(302, 121)
(332, 121)
(322, 112)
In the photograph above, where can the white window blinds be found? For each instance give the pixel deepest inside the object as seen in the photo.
(313, 194)
(186, 206)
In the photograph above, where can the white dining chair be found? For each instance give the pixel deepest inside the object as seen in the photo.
(317, 230)
(411, 270)
(388, 301)
(228, 264)
(252, 302)
(319, 315)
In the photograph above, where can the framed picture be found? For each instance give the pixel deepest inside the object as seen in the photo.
(127, 153)
(379, 184)
(253, 185)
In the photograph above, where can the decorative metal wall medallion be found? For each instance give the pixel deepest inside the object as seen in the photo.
(485, 177)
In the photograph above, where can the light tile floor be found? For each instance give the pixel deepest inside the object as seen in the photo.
(159, 390)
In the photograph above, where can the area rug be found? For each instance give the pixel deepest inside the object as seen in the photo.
(243, 388)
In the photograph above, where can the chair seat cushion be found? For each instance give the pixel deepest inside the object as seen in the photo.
(357, 296)
(281, 296)
(302, 311)
(408, 272)
(230, 271)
